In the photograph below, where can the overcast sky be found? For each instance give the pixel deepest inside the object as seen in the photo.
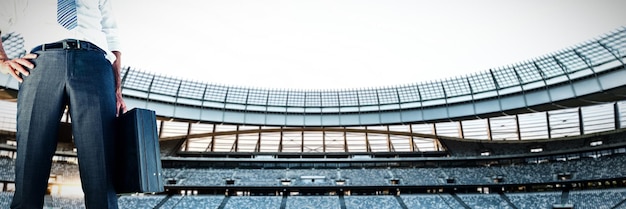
(338, 44)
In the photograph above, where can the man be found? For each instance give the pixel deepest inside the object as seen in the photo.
(75, 61)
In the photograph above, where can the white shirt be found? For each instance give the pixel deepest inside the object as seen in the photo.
(36, 21)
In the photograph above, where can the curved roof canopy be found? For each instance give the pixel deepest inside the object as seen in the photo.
(585, 74)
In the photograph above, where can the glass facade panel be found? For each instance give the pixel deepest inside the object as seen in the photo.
(388, 96)
(475, 129)
(292, 141)
(173, 128)
(571, 61)
(425, 144)
(564, 123)
(197, 145)
(348, 98)
(528, 72)
(277, 98)
(237, 95)
(270, 141)
(481, 82)
(200, 128)
(456, 87)
(368, 97)
(450, 129)
(296, 98)
(595, 53)
(549, 67)
(137, 80)
(8, 116)
(533, 126)
(356, 142)
(313, 142)
(422, 128)
(257, 97)
(330, 99)
(598, 118)
(621, 112)
(224, 143)
(165, 86)
(334, 141)
(216, 93)
(408, 94)
(313, 99)
(504, 128)
(430, 91)
(191, 90)
(400, 143)
(247, 142)
(506, 77)
(378, 142)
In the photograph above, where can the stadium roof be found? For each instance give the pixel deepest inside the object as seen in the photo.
(499, 104)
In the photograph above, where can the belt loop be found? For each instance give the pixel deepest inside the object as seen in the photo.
(77, 44)
(65, 45)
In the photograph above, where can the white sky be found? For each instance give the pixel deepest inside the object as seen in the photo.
(337, 44)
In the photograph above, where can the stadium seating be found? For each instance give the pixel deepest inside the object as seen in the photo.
(484, 201)
(5, 199)
(597, 199)
(606, 167)
(250, 202)
(189, 201)
(148, 201)
(433, 201)
(367, 202)
(538, 200)
(65, 202)
(580, 199)
(313, 202)
(172, 202)
(7, 171)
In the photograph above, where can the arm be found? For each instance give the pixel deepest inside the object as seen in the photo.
(109, 28)
(13, 10)
(117, 67)
(15, 66)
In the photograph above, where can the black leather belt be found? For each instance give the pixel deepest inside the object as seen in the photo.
(69, 44)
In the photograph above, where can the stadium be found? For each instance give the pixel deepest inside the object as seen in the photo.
(545, 133)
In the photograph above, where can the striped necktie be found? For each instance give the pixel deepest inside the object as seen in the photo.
(66, 13)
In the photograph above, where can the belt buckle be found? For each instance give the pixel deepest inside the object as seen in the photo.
(71, 44)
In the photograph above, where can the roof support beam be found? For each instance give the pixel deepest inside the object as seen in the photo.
(257, 148)
(411, 142)
(581, 124)
(618, 122)
(517, 128)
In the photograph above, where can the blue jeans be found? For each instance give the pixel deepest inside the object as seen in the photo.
(83, 80)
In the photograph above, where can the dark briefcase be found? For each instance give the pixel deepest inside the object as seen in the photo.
(138, 159)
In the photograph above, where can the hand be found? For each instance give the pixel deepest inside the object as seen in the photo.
(16, 66)
(117, 67)
(120, 104)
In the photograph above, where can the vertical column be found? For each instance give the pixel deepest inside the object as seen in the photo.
(618, 122)
(461, 133)
(345, 140)
(389, 145)
(517, 128)
(411, 142)
(549, 126)
(323, 139)
(213, 138)
(489, 135)
(581, 122)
